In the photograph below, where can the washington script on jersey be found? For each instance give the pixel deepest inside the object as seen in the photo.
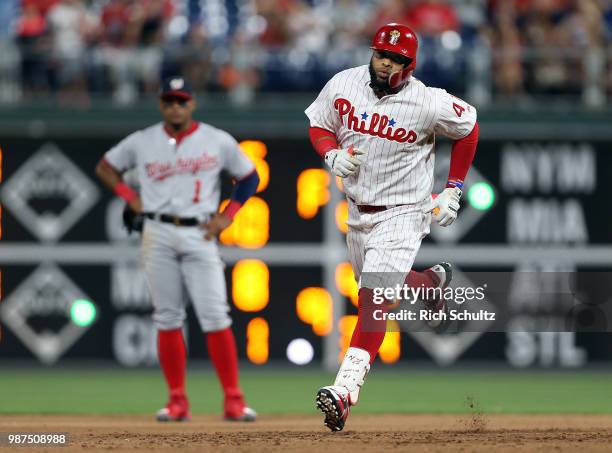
(161, 170)
(377, 124)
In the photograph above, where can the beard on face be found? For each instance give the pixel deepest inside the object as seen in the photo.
(375, 83)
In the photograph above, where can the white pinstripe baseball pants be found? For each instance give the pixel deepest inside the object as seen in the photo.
(387, 241)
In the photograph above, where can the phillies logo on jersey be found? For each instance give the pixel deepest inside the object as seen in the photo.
(378, 126)
(159, 171)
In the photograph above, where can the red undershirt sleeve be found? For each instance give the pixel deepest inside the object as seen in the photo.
(462, 156)
(322, 140)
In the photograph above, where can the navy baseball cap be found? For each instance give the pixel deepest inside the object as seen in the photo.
(175, 87)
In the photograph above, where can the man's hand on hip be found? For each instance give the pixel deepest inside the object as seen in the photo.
(344, 162)
(446, 206)
(215, 225)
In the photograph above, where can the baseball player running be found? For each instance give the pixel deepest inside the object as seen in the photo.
(375, 127)
(179, 163)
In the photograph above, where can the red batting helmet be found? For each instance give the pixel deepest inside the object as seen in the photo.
(399, 39)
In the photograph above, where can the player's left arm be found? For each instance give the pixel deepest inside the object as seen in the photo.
(246, 181)
(462, 155)
(458, 121)
(244, 189)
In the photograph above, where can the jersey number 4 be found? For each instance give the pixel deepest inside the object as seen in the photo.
(458, 109)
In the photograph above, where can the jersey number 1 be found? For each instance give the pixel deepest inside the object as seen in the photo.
(198, 187)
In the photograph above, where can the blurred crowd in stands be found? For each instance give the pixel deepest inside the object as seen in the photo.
(75, 49)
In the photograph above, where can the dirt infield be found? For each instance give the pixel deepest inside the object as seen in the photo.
(370, 433)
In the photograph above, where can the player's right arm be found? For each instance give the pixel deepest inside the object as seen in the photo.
(111, 167)
(324, 124)
(341, 162)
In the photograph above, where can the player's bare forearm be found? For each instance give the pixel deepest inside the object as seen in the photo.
(112, 179)
(216, 225)
(108, 175)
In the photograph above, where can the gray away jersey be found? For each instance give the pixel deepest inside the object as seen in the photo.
(181, 179)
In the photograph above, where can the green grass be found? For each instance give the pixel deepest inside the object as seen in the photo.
(118, 391)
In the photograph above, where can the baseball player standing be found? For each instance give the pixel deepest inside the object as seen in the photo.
(375, 127)
(179, 163)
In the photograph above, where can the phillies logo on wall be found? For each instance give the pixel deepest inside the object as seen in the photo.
(379, 125)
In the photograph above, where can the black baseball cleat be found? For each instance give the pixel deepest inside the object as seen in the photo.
(333, 401)
(442, 274)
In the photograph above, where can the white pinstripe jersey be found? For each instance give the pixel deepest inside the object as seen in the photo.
(397, 132)
(180, 178)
